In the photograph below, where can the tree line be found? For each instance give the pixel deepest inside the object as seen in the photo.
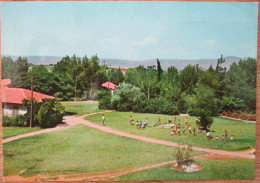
(193, 90)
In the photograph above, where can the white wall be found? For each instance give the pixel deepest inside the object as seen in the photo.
(13, 109)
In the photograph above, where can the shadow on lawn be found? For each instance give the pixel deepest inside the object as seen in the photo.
(68, 113)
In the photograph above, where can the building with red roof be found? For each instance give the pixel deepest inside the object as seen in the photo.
(12, 98)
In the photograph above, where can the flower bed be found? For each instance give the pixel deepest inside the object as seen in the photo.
(240, 115)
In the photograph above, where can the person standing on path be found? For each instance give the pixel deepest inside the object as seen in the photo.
(103, 119)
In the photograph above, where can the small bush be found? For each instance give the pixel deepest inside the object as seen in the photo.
(155, 105)
(183, 155)
(50, 113)
(205, 121)
(104, 99)
(20, 120)
(36, 107)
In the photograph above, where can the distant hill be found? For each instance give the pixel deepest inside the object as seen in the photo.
(165, 63)
(39, 60)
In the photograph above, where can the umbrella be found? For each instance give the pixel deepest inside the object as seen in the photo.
(109, 85)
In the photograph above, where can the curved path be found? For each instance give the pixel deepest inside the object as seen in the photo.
(81, 120)
(71, 121)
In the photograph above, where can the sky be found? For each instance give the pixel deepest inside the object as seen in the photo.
(129, 30)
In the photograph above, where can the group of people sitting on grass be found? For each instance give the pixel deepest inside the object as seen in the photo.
(224, 137)
(140, 124)
(176, 128)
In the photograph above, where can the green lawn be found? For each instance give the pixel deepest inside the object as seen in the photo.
(244, 133)
(211, 170)
(80, 109)
(79, 149)
(13, 131)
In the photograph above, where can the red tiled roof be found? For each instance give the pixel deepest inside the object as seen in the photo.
(16, 95)
(5, 82)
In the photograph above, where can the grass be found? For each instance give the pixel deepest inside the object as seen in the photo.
(211, 170)
(79, 149)
(13, 131)
(244, 133)
(79, 109)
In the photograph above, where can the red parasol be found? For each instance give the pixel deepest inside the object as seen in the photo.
(109, 85)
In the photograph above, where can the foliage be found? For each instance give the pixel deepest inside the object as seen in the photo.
(115, 76)
(43, 81)
(205, 106)
(125, 97)
(36, 107)
(182, 155)
(145, 79)
(104, 99)
(240, 81)
(207, 100)
(155, 105)
(79, 77)
(170, 85)
(232, 103)
(159, 70)
(14, 70)
(50, 113)
(19, 120)
(240, 115)
(205, 120)
(189, 78)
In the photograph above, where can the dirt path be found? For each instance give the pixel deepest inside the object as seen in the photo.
(34, 133)
(71, 121)
(234, 154)
(103, 175)
(66, 123)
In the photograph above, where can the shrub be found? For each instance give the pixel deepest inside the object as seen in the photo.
(20, 120)
(232, 103)
(104, 99)
(155, 105)
(36, 107)
(205, 120)
(183, 155)
(50, 113)
(126, 96)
